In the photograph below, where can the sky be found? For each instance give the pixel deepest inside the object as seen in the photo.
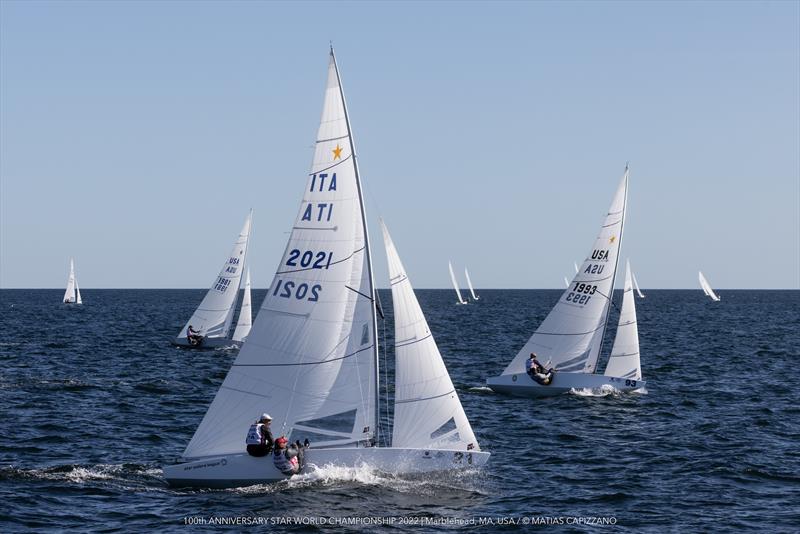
(136, 136)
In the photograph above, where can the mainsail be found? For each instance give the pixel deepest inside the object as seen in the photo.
(311, 357)
(427, 411)
(707, 287)
(624, 359)
(469, 284)
(214, 315)
(570, 337)
(245, 321)
(455, 283)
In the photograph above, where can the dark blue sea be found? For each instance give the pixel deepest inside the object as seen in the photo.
(94, 400)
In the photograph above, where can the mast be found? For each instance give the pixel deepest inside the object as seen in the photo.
(616, 265)
(367, 250)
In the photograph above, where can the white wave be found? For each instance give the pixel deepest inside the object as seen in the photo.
(602, 391)
(481, 389)
(641, 391)
(329, 473)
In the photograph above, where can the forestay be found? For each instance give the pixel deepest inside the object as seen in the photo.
(427, 411)
(310, 359)
(214, 315)
(245, 321)
(570, 337)
(624, 359)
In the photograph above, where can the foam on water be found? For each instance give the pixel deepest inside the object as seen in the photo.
(603, 391)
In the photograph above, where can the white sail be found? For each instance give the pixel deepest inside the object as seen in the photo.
(575, 264)
(70, 296)
(624, 360)
(214, 315)
(245, 321)
(78, 299)
(707, 287)
(427, 411)
(566, 282)
(311, 357)
(469, 284)
(455, 284)
(636, 286)
(570, 337)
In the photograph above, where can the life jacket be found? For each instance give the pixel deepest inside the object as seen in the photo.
(255, 436)
(287, 466)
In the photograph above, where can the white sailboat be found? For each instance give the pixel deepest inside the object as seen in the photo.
(214, 316)
(707, 287)
(245, 321)
(566, 282)
(469, 284)
(311, 359)
(455, 283)
(624, 361)
(575, 264)
(570, 338)
(73, 293)
(636, 286)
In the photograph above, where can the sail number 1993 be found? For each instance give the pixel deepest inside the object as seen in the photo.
(581, 293)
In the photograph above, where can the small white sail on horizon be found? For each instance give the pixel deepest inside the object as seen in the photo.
(566, 282)
(636, 285)
(469, 285)
(575, 264)
(624, 359)
(73, 293)
(245, 321)
(428, 412)
(707, 287)
(214, 316)
(455, 284)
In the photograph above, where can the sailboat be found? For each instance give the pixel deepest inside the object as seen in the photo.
(73, 293)
(469, 284)
(566, 282)
(455, 284)
(707, 287)
(571, 336)
(311, 359)
(214, 316)
(245, 321)
(636, 286)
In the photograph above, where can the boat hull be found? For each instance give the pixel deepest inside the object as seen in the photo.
(235, 470)
(522, 385)
(208, 343)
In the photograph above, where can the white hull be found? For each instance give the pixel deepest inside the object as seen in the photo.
(245, 470)
(521, 384)
(208, 343)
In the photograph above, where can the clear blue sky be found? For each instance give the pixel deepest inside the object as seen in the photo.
(136, 136)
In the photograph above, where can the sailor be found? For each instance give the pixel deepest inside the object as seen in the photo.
(259, 437)
(193, 336)
(537, 372)
(288, 459)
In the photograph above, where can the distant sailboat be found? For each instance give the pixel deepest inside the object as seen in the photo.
(707, 287)
(624, 360)
(636, 286)
(245, 321)
(214, 316)
(455, 284)
(469, 284)
(73, 292)
(575, 264)
(566, 282)
(570, 337)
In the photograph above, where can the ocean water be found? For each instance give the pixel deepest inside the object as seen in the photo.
(94, 400)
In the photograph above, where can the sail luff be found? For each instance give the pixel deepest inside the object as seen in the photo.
(367, 249)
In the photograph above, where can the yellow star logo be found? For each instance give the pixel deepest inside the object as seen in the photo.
(612, 239)
(337, 152)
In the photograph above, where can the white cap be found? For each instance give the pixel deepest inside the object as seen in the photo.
(266, 417)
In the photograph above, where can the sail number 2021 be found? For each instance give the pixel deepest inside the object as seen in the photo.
(581, 293)
(290, 289)
(320, 260)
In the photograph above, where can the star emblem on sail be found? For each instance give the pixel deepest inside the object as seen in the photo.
(337, 152)
(612, 239)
